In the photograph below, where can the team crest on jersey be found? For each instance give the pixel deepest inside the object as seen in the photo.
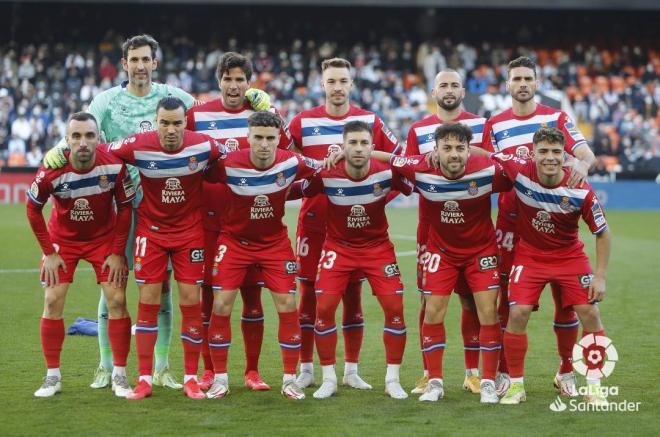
(281, 180)
(378, 190)
(231, 144)
(522, 152)
(192, 163)
(138, 264)
(173, 191)
(565, 204)
(34, 190)
(104, 183)
(358, 217)
(146, 126)
(81, 211)
(473, 188)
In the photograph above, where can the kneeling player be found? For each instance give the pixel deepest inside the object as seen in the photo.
(549, 250)
(357, 241)
(461, 243)
(81, 227)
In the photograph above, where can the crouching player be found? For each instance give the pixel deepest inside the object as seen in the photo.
(549, 250)
(457, 190)
(83, 225)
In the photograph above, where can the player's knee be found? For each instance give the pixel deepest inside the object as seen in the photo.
(467, 303)
(285, 303)
(518, 317)
(53, 307)
(589, 317)
(116, 304)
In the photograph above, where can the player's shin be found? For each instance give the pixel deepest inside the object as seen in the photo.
(490, 338)
(325, 329)
(191, 338)
(207, 309)
(352, 324)
(289, 339)
(252, 326)
(307, 316)
(52, 338)
(566, 326)
(165, 321)
(105, 350)
(219, 341)
(146, 331)
(470, 331)
(394, 330)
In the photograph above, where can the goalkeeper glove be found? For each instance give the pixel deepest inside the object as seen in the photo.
(55, 157)
(259, 99)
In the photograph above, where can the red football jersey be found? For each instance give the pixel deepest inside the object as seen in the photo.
(171, 181)
(83, 201)
(230, 128)
(318, 134)
(548, 216)
(356, 216)
(258, 196)
(507, 133)
(458, 209)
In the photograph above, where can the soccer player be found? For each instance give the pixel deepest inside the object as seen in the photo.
(171, 162)
(317, 133)
(122, 111)
(253, 235)
(83, 225)
(357, 242)
(461, 243)
(225, 119)
(448, 92)
(549, 250)
(511, 132)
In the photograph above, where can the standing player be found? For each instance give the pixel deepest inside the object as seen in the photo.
(83, 225)
(171, 162)
(461, 243)
(357, 242)
(317, 133)
(511, 132)
(549, 250)
(225, 119)
(253, 235)
(124, 110)
(449, 93)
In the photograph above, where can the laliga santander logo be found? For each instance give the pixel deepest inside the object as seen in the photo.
(595, 356)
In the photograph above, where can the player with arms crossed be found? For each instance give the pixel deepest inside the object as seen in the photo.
(253, 235)
(83, 225)
(225, 119)
(318, 133)
(549, 250)
(449, 93)
(511, 132)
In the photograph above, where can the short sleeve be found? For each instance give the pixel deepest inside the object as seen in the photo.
(123, 149)
(40, 189)
(412, 145)
(307, 167)
(573, 136)
(384, 139)
(187, 99)
(512, 165)
(295, 131)
(593, 214)
(124, 188)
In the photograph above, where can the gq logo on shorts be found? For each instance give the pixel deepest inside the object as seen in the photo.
(196, 255)
(487, 262)
(585, 280)
(290, 267)
(391, 270)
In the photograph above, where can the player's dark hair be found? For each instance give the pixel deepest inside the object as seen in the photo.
(234, 60)
(265, 119)
(522, 61)
(548, 134)
(356, 126)
(171, 103)
(336, 63)
(460, 131)
(137, 41)
(83, 116)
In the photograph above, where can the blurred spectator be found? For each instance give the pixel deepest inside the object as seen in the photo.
(34, 156)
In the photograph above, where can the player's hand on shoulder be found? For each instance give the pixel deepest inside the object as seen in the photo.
(117, 270)
(50, 273)
(331, 161)
(579, 172)
(259, 99)
(55, 157)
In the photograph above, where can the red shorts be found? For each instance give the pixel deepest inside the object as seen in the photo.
(94, 252)
(309, 244)
(530, 273)
(153, 251)
(442, 272)
(234, 260)
(253, 278)
(340, 263)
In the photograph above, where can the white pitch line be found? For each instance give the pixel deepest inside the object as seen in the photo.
(407, 253)
(403, 237)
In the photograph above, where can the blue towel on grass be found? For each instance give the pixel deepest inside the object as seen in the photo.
(83, 326)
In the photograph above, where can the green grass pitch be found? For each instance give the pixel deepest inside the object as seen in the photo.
(629, 313)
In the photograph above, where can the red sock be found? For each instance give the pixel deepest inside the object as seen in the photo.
(470, 332)
(191, 336)
(434, 347)
(307, 314)
(565, 326)
(219, 341)
(252, 326)
(394, 331)
(515, 348)
(490, 338)
(352, 322)
(325, 331)
(119, 334)
(52, 338)
(503, 313)
(207, 309)
(146, 332)
(289, 338)
(422, 314)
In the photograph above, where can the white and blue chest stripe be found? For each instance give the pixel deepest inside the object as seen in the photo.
(426, 134)
(251, 182)
(100, 180)
(438, 188)
(562, 200)
(511, 133)
(322, 131)
(342, 191)
(223, 124)
(156, 164)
